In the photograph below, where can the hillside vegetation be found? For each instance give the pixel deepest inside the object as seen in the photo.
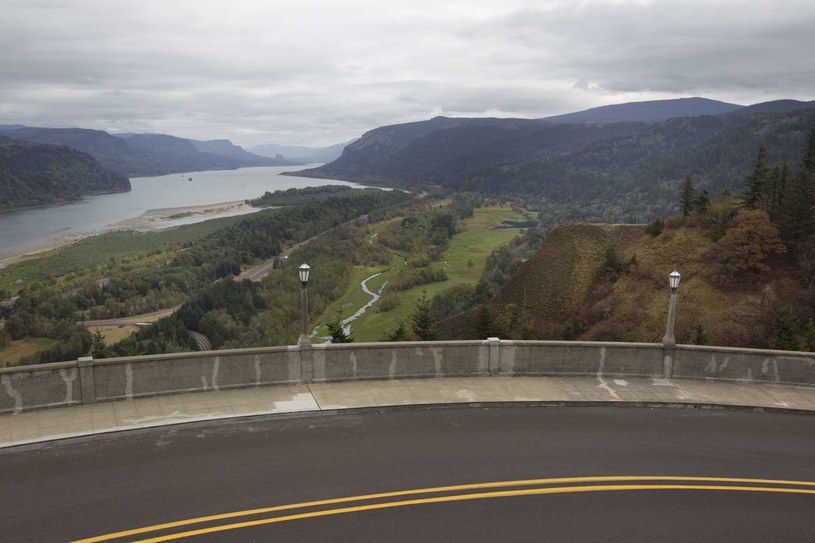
(632, 168)
(747, 265)
(32, 174)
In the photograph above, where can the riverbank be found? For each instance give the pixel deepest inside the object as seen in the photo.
(152, 219)
(170, 216)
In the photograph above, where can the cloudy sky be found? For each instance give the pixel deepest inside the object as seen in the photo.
(321, 72)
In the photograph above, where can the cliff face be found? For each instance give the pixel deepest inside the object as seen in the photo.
(34, 174)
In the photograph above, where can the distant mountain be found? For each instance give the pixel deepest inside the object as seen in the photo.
(613, 170)
(146, 154)
(778, 106)
(37, 174)
(651, 111)
(301, 154)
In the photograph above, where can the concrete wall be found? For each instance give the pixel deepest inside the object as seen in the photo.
(787, 367)
(87, 381)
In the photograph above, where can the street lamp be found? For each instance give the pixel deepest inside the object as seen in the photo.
(668, 340)
(304, 270)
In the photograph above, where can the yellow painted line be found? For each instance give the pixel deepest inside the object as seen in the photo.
(432, 490)
(463, 497)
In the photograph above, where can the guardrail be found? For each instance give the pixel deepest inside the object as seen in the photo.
(87, 381)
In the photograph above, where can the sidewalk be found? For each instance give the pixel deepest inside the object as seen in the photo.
(60, 423)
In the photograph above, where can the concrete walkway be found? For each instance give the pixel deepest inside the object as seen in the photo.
(60, 423)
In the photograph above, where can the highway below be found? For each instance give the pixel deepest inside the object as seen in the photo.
(425, 475)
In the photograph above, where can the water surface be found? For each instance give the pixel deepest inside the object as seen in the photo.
(37, 227)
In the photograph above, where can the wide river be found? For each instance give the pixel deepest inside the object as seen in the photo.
(39, 227)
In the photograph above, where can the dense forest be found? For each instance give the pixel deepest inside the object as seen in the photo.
(33, 174)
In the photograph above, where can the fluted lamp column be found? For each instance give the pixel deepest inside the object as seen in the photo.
(304, 271)
(668, 340)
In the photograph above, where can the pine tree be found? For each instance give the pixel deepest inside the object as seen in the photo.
(336, 330)
(796, 217)
(757, 180)
(98, 347)
(687, 196)
(785, 333)
(399, 334)
(808, 156)
(423, 325)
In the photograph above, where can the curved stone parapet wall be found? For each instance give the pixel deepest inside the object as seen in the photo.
(87, 381)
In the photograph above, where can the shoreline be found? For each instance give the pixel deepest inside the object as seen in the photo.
(150, 220)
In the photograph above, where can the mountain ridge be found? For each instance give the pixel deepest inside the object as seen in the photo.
(33, 174)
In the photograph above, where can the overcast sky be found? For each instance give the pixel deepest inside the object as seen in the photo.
(322, 72)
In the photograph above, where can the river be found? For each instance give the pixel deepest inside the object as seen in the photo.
(28, 229)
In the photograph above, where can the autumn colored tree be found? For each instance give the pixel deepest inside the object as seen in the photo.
(746, 246)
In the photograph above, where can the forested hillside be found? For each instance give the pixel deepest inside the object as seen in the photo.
(633, 169)
(137, 155)
(33, 174)
(747, 265)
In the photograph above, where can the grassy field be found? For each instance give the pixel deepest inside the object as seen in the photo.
(463, 260)
(114, 334)
(24, 347)
(95, 251)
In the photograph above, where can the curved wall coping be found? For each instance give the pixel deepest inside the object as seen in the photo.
(87, 381)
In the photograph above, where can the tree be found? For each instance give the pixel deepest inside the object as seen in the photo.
(423, 325)
(336, 330)
(785, 332)
(611, 262)
(687, 196)
(5, 338)
(16, 327)
(700, 335)
(757, 180)
(399, 334)
(702, 201)
(655, 227)
(796, 216)
(98, 347)
(747, 244)
(720, 215)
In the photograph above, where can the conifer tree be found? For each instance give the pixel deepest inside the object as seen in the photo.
(423, 325)
(757, 180)
(687, 196)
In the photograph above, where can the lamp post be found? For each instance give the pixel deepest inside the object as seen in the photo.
(304, 270)
(668, 339)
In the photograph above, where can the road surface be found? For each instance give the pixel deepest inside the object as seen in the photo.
(664, 475)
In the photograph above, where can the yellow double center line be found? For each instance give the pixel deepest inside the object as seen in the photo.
(576, 484)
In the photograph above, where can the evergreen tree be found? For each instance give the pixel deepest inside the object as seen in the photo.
(785, 333)
(611, 261)
(702, 201)
(796, 217)
(423, 325)
(687, 196)
(757, 180)
(336, 330)
(808, 156)
(700, 335)
(399, 334)
(809, 337)
(98, 347)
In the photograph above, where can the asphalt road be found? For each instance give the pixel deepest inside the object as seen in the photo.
(88, 487)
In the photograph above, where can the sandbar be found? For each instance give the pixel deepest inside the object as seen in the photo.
(152, 219)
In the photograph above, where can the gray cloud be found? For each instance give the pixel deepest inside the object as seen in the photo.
(320, 72)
